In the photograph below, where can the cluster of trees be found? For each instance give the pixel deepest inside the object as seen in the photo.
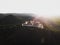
(17, 35)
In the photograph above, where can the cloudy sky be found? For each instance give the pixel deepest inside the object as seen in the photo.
(39, 7)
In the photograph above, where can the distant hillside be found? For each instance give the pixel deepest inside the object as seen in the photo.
(2, 16)
(14, 19)
(24, 16)
(10, 19)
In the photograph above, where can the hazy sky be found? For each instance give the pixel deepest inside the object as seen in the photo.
(39, 7)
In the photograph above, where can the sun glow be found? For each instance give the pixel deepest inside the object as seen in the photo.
(47, 16)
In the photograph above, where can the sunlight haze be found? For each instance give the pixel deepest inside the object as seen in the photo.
(45, 8)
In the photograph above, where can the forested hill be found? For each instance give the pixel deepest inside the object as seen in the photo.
(13, 19)
(25, 35)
